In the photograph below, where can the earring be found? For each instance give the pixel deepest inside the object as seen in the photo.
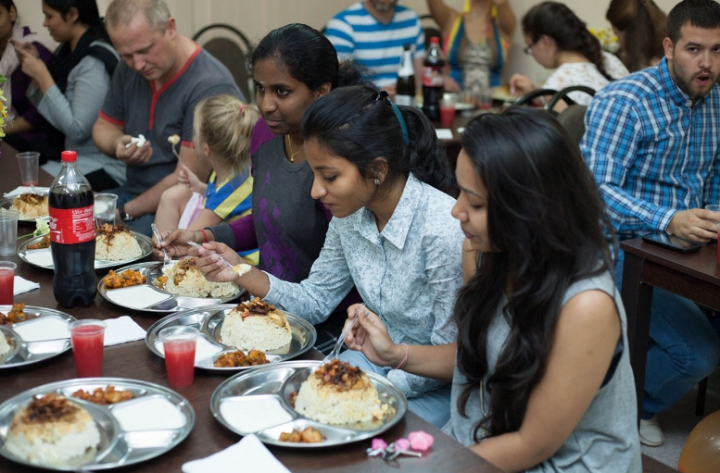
(377, 181)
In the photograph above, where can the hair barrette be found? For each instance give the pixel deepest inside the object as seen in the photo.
(242, 108)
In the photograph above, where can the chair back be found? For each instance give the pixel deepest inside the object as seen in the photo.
(564, 95)
(229, 46)
(573, 120)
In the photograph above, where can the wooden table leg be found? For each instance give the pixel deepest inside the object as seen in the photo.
(637, 299)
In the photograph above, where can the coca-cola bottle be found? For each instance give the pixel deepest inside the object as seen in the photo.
(405, 86)
(72, 235)
(432, 80)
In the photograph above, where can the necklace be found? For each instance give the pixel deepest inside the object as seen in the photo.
(293, 154)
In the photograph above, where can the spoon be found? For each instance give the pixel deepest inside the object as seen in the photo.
(156, 232)
(334, 353)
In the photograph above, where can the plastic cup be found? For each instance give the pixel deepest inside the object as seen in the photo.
(179, 347)
(447, 113)
(105, 205)
(7, 282)
(87, 337)
(29, 163)
(8, 232)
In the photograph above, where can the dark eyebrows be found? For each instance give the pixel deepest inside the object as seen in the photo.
(471, 192)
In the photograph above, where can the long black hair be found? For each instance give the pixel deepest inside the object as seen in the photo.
(644, 26)
(88, 14)
(307, 55)
(570, 33)
(359, 124)
(548, 228)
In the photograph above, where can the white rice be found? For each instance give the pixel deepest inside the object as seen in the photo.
(4, 347)
(255, 332)
(122, 246)
(325, 404)
(54, 443)
(29, 211)
(194, 284)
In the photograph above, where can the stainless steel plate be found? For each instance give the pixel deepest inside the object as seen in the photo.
(144, 241)
(209, 321)
(152, 271)
(278, 382)
(118, 447)
(6, 202)
(25, 352)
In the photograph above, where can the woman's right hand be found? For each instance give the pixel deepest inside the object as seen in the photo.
(370, 337)
(520, 85)
(25, 48)
(175, 242)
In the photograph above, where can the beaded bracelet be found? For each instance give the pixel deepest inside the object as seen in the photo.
(204, 236)
(402, 363)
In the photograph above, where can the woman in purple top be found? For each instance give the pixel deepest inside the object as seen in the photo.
(292, 67)
(25, 123)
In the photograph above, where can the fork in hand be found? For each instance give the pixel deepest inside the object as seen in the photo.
(334, 353)
(156, 232)
(224, 261)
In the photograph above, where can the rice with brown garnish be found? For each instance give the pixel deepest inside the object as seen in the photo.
(185, 279)
(346, 398)
(52, 431)
(255, 325)
(116, 244)
(30, 206)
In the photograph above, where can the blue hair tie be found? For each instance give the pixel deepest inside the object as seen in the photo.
(403, 125)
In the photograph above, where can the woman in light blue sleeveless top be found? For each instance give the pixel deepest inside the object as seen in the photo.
(540, 371)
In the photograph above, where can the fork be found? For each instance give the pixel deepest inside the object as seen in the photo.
(334, 353)
(224, 261)
(156, 232)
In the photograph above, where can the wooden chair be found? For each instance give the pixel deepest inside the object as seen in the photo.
(229, 46)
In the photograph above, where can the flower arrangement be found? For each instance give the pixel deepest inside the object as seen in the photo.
(608, 40)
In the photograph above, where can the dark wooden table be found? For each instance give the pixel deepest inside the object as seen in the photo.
(134, 360)
(695, 276)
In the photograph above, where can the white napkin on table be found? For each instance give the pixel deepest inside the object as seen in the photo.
(21, 286)
(444, 134)
(27, 189)
(248, 452)
(122, 330)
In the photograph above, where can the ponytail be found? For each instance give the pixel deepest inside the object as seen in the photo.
(558, 22)
(359, 124)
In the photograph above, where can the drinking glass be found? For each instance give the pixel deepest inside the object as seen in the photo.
(29, 163)
(7, 282)
(8, 232)
(179, 347)
(447, 112)
(87, 337)
(104, 211)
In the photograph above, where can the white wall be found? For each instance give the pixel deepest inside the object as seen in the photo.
(256, 17)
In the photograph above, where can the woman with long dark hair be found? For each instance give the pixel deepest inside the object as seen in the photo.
(540, 370)
(559, 40)
(640, 26)
(70, 90)
(380, 171)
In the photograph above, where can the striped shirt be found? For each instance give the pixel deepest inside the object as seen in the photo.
(231, 199)
(653, 152)
(358, 35)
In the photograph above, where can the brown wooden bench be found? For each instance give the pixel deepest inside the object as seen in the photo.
(650, 465)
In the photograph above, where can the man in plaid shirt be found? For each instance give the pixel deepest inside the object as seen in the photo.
(653, 143)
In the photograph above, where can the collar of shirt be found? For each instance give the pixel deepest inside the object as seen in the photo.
(673, 91)
(398, 226)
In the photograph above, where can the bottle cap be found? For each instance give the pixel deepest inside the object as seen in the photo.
(435, 39)
(68, 156)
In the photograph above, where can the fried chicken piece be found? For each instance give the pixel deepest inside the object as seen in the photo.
(307, 435)
(103, 397)
(44, 243)
(127, 278)
(238, 358)
(15, 315)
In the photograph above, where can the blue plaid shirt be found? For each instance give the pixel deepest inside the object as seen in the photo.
(652, 151)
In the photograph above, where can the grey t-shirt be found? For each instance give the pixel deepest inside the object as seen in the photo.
(606, 438)
(134, 104)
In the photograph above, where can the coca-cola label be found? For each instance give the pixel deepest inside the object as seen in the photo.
(70, 226)
(432, 76)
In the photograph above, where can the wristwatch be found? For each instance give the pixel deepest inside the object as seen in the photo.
(126, 217)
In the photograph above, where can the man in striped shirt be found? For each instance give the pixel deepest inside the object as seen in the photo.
(373, 34)
(653, 143)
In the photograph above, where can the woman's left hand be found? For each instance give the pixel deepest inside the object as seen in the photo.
(210, 265)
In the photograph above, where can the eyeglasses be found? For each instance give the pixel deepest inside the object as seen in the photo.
(528, 48)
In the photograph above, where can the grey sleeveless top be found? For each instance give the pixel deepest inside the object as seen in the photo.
(606, 438)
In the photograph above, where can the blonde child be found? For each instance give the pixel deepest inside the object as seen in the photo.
(222, 129)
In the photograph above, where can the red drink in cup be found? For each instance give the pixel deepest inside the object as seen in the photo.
(179, 347)
(447, 115)
(7, 282)
(87, 338)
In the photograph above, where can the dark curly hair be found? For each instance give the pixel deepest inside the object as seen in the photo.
(547, 223)
(557, 21)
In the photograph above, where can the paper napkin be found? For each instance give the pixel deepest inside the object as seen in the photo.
(444, 134)
(122, 330)
(248, 452)
(21, 286)
(25, 190)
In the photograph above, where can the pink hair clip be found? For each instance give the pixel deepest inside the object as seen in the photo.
(242, 108)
